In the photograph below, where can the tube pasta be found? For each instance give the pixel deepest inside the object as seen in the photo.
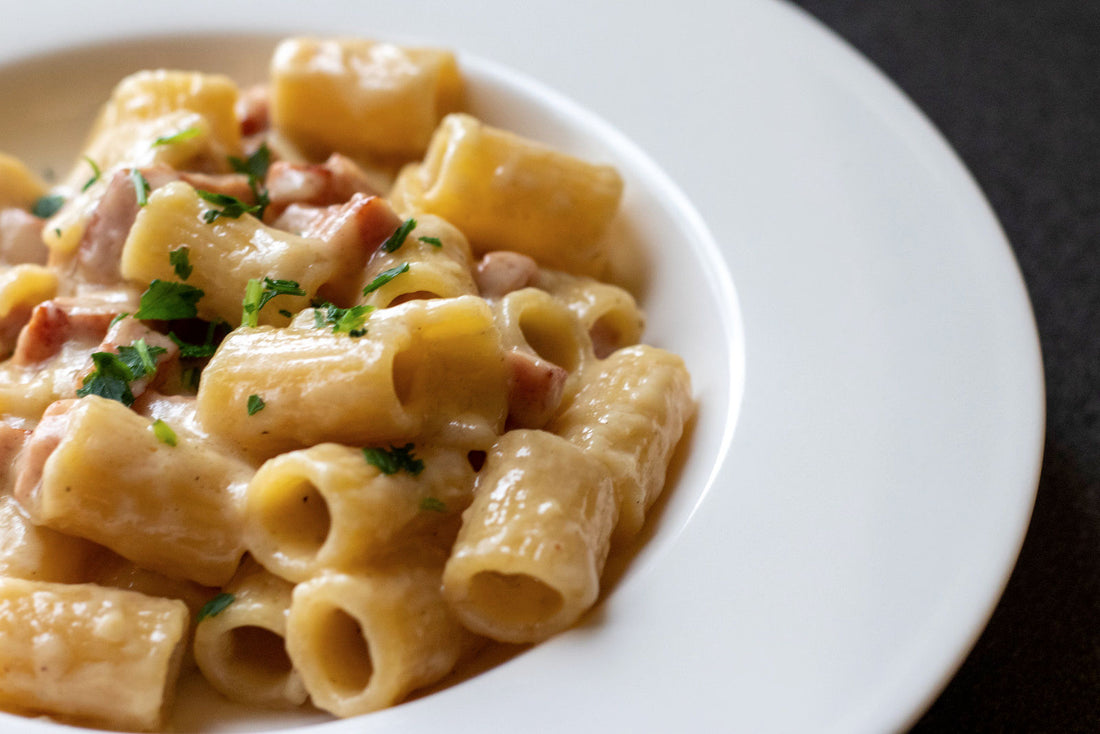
(36, 553)
(630, 414)
(363, 642)
(242, 649)
(609, 313)
(361, 97)
(508, 193)
(19, 186)
(326, 507)
(225, 254)
(425, 367)
(439, 266)
(180, 502)
(88, 654)
(528, 559)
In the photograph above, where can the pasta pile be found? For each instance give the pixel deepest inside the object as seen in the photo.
(312, 385)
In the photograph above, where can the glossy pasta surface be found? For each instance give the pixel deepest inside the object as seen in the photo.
(318, 388)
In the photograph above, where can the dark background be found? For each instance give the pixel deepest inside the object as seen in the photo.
(1014, 85)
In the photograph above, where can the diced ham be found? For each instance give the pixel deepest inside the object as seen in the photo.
(21, 238)
(332, 182)
(253, 110)
(501, 272)
(535, 388)
(42, 442)
(61, 320)
(351, 232)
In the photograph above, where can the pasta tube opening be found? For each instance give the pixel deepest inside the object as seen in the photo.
(257, 653)
(341, 647)
(295, 515)
(515, 599)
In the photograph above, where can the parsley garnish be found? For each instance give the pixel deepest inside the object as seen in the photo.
(96, 173)
(178, 137)
(257, 294)
(181, 262)
(385, 277)
(165, 300)
(141, 187)
(432, 504)
(255, 167)
(255, 404)
(433, 241)
(110, 379)
(394, 460)
(347, 320)
(231, 206)
(197, 351)
(164, 432)
(395, 240)
(46, 206)
(215, 606)
(114, 372)
(118, 318)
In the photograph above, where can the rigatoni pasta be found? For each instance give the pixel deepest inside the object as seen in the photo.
(318, 432)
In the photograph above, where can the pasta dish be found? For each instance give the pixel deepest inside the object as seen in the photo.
(317, 386)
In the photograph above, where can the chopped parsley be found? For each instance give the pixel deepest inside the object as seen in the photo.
(96, 173)
(165, 300)
(198, 351)
(118, 318)
(432, 504)
(395, 240)
(141, 187)
(255, 167)
(255, 404)
(258, 293)
(114, 372)
(385, 277)
(231, 206)
(215, 606)
(164, 432)
(46, 206)
(350, 321)
(180, 259)
(179, 137)
(394, 459)
(433, 241)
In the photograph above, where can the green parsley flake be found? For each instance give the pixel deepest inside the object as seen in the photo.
(165, 301)
(46, 206)
(164, 432)
(255, 404)
(394, 460)
(141, 187)
(385, 277)
(349, 321)
(432, 504)
(118, 318)
(96, 173)
(433, 241)
(215, 606)
(255, 167)
(231, 206)
(180, 260)
(395, 240)
(258, 293)
(179, 137)
(198, 351)
(111, 379)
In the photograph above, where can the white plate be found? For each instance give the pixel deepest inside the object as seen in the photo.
(845, 552)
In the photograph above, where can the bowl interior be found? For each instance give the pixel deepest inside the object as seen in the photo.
(666, 257)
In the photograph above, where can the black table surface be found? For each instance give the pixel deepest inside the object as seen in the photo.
(1014, 86)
